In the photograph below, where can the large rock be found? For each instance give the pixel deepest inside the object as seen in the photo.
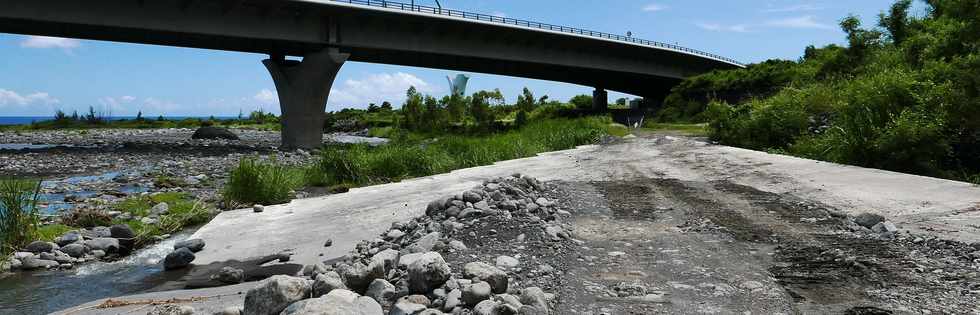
(472, 196)
(406, 260)
(177, 259)
(40, 247)
(194, 245)
(476, 292)
(125, 235)
(35, 263)
(75, 250)
(425, 243)
(271, 296)
(382, 291)
(868, 220)
(105, 244)
(436, 207)
(388, 259)
(536, 298)
(160, 209)
(495, 277)
(485, 307)
(214, 133)
(428, 273)
(70, 238)
(171, 309)
(358, 277)
(338, 302)
(327, 282)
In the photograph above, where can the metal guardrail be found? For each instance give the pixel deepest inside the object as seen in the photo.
(530, 24)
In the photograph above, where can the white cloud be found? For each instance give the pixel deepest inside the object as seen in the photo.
(267, 97)
(715, 27)
(8, 97)
(807, 21)
(653, 7)
(794, 8)
(377, 88)
(50, 42)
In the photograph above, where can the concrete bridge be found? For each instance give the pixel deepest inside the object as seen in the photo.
(327, 33)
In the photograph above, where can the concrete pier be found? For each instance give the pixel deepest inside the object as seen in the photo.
(303, 88)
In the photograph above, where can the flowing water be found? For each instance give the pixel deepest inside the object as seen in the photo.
(48, 291)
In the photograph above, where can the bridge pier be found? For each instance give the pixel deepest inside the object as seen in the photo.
(600, 100)
(303, 88)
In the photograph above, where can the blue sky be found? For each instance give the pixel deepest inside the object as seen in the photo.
(39, 75)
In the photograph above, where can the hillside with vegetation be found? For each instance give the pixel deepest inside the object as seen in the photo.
(903, 96)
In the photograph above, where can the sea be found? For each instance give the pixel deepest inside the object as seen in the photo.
(26, 120)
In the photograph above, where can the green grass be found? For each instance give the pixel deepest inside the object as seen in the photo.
(257, 182)
(699, 130)
(18, 213)
(49, 232)
(183, 212)
(360, 165)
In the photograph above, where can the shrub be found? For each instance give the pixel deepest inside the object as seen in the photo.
(18, 213)
(256, 182)
(87, 218)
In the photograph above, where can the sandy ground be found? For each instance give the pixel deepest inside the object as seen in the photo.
(703, 172)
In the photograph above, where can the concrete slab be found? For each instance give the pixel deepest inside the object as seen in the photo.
(942, 207)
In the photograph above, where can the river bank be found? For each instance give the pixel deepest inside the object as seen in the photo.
(105, 170)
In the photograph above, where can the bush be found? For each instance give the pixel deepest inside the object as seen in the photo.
(18, 213)
(406, 158)
(256, 182)
(86, 218)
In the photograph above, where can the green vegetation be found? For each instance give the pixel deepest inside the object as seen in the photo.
(360, 165)
(254, 181)
(18, 213)
(903, 96)
(697, 130)
(183, 212)
(409, 155)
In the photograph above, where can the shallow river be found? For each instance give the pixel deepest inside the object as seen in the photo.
(48, 291)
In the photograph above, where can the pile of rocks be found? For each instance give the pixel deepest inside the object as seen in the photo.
(74, 247)
(403, 271)
(873, 223)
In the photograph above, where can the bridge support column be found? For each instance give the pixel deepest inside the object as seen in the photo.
(600, 100)
(303, 88)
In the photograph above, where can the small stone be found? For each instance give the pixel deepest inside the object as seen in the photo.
(394, 234)
(314, 269)
(453, 298)
(177, 259)
(425, 244)
(125, 235)
(70, 238)
(75, 250)
(406, 309)
(328, 243)
(35, 263)
(327, 282)
(160, 209)
(105, 244)
(496, 278)
(544, 202)
(358, 276)
(231, 310)
(751, 285)
(868, 220)
(457, 245)
(507, 262)
(535, 297)
(476, 292)
(388, 259)
(194, 245)
(427, 273)
(230, 275)
(472, 196)
(381, 291)
(258, 208)
(485, 307)
(415, 299)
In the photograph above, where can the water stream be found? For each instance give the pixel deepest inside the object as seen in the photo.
(43, 292)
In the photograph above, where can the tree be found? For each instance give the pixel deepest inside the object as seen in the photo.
(372, 108)
(621, 101)
(385, 106)
(412, 109)
(456, 106)
(480, 108)
(139, 116)
(434, 117)
(897, 21)
(582, 101)
(525, 101)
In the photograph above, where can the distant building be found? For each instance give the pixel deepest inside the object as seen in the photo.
(458, 85)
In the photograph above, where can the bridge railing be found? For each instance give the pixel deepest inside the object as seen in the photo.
(530, 24)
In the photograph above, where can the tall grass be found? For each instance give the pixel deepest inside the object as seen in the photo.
(360, 165)
(257, 182)
(18, 213)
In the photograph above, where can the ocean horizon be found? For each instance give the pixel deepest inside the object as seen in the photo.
(26, 120)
